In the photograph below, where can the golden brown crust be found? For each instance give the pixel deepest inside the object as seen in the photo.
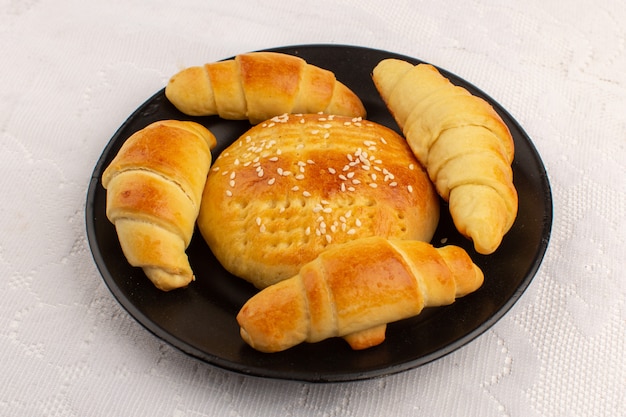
(353, 290)
(296, 184)
(260, 85)
(154, 188)
(463, 143)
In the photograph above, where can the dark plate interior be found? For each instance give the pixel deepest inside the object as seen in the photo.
(200, 320)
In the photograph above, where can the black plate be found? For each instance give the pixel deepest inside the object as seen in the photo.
(200, 320)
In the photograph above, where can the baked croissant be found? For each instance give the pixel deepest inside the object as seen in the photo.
(154, 188)
(258, 86)
(353, 290)
(465, 146)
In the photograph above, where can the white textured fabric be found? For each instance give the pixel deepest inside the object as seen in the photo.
(72, 71)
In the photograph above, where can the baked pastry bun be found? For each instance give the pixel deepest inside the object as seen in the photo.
(260, 85)
(296, 184)
(154, 190)
(462, 142)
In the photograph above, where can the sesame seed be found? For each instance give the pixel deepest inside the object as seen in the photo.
(232, 175)
(382, 139)
(343, 187)
(236, 161)
(365, 167)
(327, 210)
(327, 126)
(346, 168)
(319, 219)
(258, 221)
(411, 167)
(342, 177)
(306, 194)
(260, 173)
(300, 176)
(328, 238)
(274, 158)
(295, 188)
(307, 231)
(326, 135)
(358, 223)
(315, 132)
(393, 184)
(350, 157)
(271, 181)
(410, 188)
(332, 170)
(301, 164)
(310, 162)
(229, 193)
(356, 182)
(231, 183)
(351, 232)
(317, 208)
(373, 184)
(348, 214)
(350, 174)
(351, 189)
(215, 169)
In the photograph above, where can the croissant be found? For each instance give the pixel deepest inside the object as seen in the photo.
(258, 86)
(352, 290)
(465, 146)
(154, 188)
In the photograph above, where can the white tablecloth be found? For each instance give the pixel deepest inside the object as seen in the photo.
(72, 71)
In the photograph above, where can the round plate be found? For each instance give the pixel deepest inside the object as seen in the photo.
(200, 320)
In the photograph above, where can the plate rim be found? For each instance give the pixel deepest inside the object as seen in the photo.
(263, 372)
